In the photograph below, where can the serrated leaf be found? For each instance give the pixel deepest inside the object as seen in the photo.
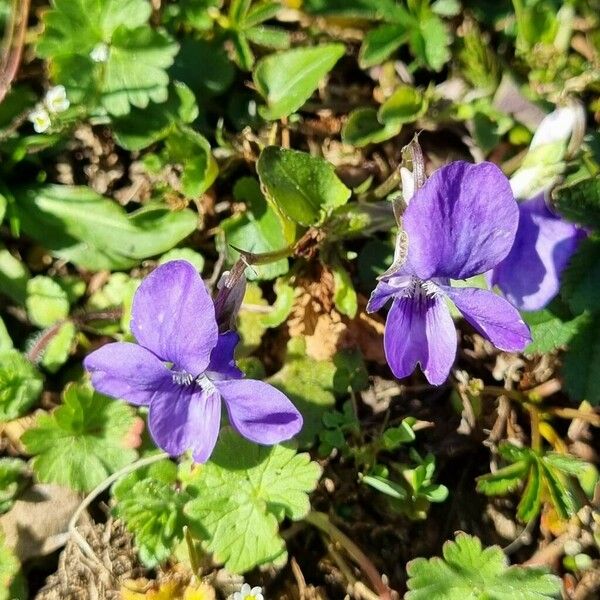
(531, 498)
(470, 572)
(305, 188)
(13, 475)
(581, 279)
(12, 582)
(20, 385)
(242, 494)
(581, 367)
(256, 230)
(79, 225)
(363, 127)
(287, 80)
(83, 441)
(563, 500)
(46, 301)
(503, 481)
(580, 202)
(153, 511)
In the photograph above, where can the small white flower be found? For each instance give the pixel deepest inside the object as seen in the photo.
(99, 53)
(40, 119)
(56, 99)
(248, 593)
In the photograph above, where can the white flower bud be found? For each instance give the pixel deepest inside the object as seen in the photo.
(40, 119)
(56, 100)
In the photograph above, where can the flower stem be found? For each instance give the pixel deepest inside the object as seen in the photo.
(72, 529)
(321, 521)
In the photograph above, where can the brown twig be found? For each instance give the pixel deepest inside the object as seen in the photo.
(13, 45)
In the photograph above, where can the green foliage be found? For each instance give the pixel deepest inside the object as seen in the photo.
(581, 279)
(20, 385)
(12, 583)
(133, 71)
(304, 188)
(152, 507)
(546, 477)
(79, 225)
(412, 493)
(241, 496)
(337, 425)
(13, 476)
(46, 302)
(363, 127)
(405, 105)
(288, 79)
(83, 441)
(256, 230)
(469, 572)
(580, 202)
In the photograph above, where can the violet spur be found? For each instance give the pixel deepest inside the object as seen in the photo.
(461, 223)
(182, 368)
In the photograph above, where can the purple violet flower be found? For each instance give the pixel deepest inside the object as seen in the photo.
(461, 223)
(181, 368)
(530, 275)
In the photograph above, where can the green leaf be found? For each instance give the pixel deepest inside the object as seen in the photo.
(242, 494)
(581, 279)
(268, 37)
(385, 486)
(256, 230)
(138, 56)
(188, 254)
(191, 150)
(503, 481)
(59, 347)
(13, 475)
(430, 42)
(46, 301)
(580, 202)
(531, 499)
(142, 127)
(83, 441)
(251, 326)
(344, 295)
(363, 128)
(581, 367)
(552, 327)
(561, 494)
(12, 582)
(358, 9)
(470, 572)
(152, 509)
(20, 385)
(394, 437)
(79, 225)
(6, 342)
(13, 276)
(380, 43)
(283, 303)
(405, 105)
(287, 80)
(305, 188)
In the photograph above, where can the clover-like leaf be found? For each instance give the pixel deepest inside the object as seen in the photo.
(242, 494)
(152, 509)
(130, 70)
(286, 80)
(470, 572)
(83, 441)
(20, 385)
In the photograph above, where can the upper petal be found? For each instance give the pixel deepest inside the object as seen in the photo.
(126, 371)
(462, 222)
(530, 275)
(185, 418)
(260, 412)
(385, 290)
(420, 330)
(173, 316)
(492, 316)
(222, 362)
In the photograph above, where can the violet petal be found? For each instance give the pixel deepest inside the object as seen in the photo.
(259, 412)
(492, 316)
(462, 222)
(530, 275)
(222, 362)
(420, 330)
(126, 371)
(173, 316)
(185, 418)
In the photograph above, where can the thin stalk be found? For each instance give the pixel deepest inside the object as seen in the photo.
(574, 413)
(534, 417)
(72, 529)
(321, 521)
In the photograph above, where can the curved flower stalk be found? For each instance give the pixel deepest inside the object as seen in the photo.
(530, 275)
(182, 368)
(461, 223)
